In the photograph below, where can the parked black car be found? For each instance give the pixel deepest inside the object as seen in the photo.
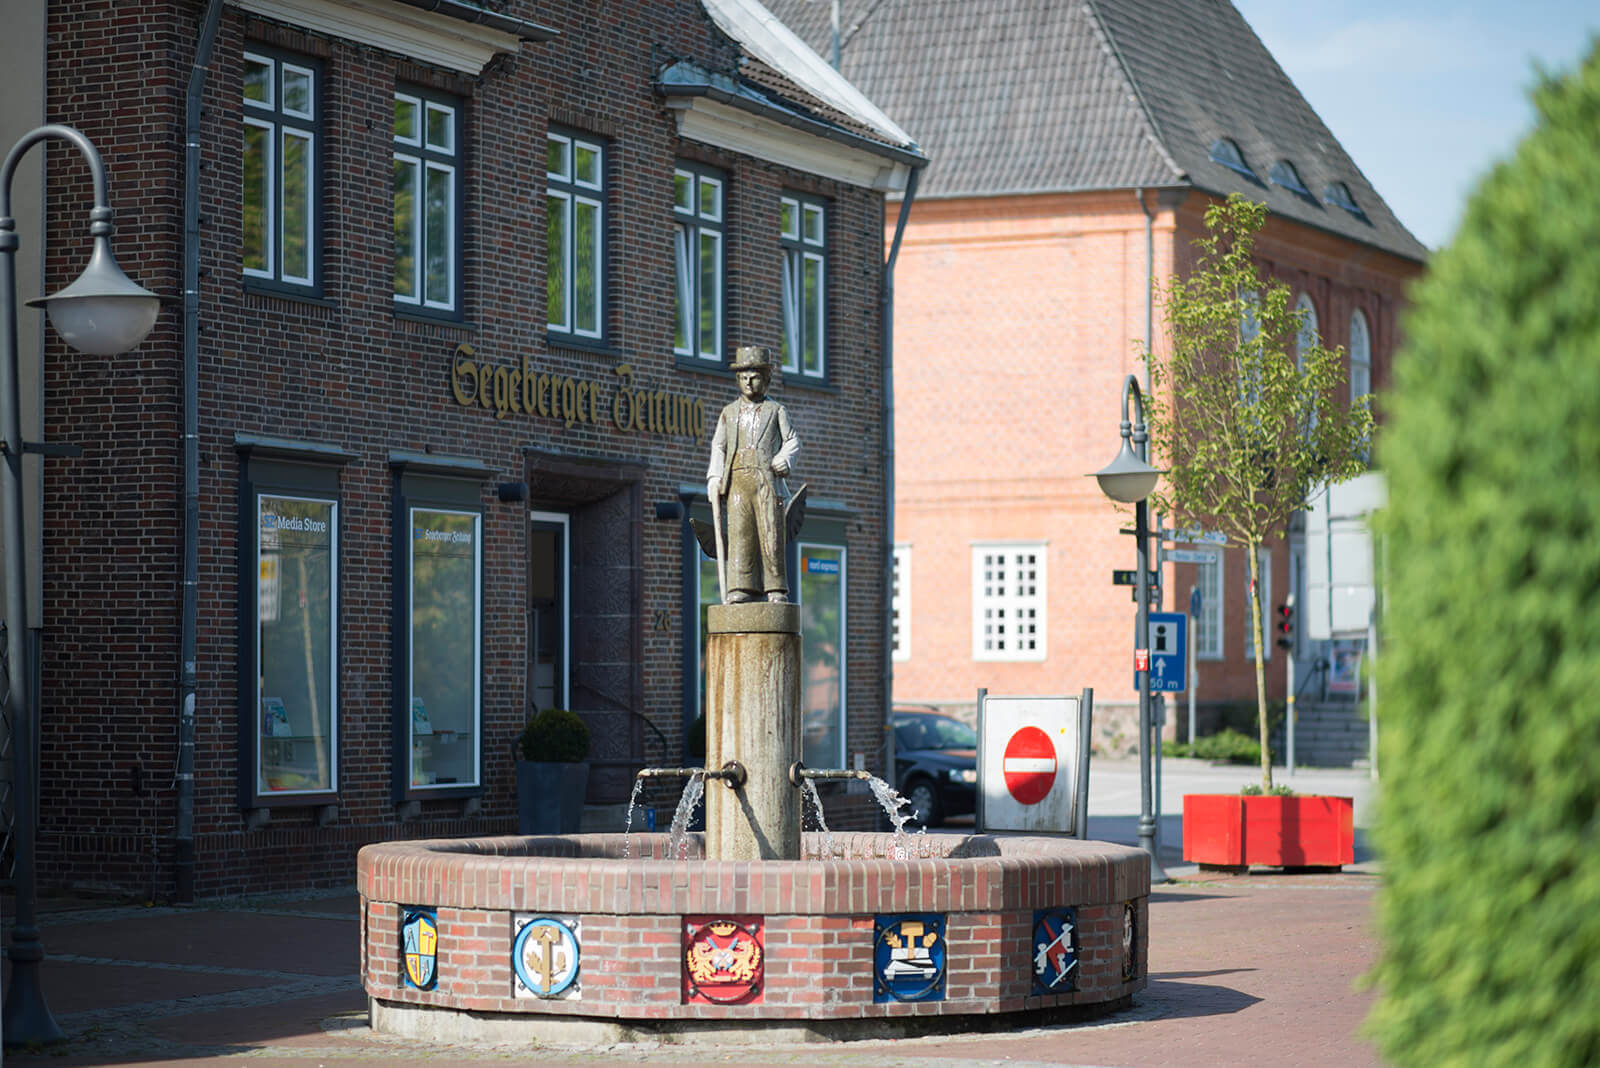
(935, 764)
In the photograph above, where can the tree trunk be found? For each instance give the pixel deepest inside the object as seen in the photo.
(1252, 550)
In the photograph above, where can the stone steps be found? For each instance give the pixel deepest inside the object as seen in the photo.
(1326, 736)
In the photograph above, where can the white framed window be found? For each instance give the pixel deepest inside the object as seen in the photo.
(698, 261)
(823, 636)
(296, 645)
(1307, 336)
(1264, 563)
(900, 602)
(279, 196)
(444, 646)
(1008, 601)
(1208, 627)
(575, 236)
(802, 234)
(1360, 356)
(427, 198)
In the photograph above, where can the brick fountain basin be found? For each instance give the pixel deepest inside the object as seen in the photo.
(605, 938)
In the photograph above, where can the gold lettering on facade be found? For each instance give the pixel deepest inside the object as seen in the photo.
(519, 390)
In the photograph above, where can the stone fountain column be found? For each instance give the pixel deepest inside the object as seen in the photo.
(753, 716)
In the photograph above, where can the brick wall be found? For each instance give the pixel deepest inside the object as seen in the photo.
(1017, 319)
(349, 372)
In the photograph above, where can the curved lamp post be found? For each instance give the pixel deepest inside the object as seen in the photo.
(1129, 479)
(102, 313)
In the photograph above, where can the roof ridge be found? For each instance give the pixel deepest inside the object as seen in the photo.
(1152, 127)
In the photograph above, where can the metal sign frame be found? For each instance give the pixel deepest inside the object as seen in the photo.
(1079, 815)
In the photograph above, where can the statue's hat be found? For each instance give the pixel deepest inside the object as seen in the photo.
(752, 358)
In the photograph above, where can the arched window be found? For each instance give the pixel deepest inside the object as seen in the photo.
(1284, 173)
(1360, 362)
(1227, 153)
(1360, 356)
(1308, 333)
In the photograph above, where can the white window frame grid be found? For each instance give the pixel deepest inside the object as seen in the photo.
(332, 695)
(692, 227)
(900, 602)
(1264, 565)
(844, 636)
(429, 158)
(1004, 600)
(1306, 337)
(279, 120)
(563, 185)
(477, 640)
(1360, 356)
(802, 247)
(1210, 635)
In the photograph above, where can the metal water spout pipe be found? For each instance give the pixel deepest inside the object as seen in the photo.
(732, 774)
(799, 773)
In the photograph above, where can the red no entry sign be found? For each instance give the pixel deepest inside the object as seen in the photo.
(1030, 765)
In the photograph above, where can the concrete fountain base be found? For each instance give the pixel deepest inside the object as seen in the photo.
(597, 938)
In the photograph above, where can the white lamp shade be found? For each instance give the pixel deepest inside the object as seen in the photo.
(1127, 478)
(104, 312)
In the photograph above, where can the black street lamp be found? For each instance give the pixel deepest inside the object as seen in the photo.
(1130, 479)
(102, 313)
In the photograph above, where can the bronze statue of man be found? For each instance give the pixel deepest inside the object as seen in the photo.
(751, 451)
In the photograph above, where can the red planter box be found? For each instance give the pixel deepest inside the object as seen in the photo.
(1235, 830)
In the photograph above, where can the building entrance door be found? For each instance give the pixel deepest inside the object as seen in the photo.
(549, 610)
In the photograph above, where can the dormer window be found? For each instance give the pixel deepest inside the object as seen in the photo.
(1283, 173)
(1227, 153)
(1338, 194)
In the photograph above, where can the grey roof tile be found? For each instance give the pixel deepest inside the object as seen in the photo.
(1010, 96)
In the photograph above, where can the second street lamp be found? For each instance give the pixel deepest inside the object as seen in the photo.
(1129, 479)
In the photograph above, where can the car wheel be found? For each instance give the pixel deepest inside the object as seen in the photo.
(925, 808)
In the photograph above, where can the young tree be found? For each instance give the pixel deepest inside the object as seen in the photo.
(1244, 408)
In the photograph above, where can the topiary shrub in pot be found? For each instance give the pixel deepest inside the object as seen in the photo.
(552, 772)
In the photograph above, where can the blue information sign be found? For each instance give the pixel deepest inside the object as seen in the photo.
(1169, 632)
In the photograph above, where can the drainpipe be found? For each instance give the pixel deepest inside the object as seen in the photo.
(183, 777)
(886, 319)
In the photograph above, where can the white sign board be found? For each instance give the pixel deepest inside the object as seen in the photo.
(1032, 760)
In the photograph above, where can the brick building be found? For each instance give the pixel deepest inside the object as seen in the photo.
(1075, 148)
(468, 278)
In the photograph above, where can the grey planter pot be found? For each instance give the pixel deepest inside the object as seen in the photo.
(550, 796)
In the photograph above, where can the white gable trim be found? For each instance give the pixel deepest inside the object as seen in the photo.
(705, 120)
(422, 35)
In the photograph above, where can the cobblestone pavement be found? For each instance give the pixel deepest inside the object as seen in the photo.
(1245, 970)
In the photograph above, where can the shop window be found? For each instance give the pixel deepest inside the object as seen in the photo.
(289, 614)
(698, 258)
(803, 237)
(427, 201)
(438, 636)
(822, 639)
(278, 223)
(575, 236)
(1008, 602)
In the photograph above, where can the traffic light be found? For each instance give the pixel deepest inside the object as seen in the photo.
(1285, 625)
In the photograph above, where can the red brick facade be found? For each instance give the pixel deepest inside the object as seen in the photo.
(1017, 319)
(350, 373)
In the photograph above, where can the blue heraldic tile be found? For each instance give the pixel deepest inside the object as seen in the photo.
(908, 957)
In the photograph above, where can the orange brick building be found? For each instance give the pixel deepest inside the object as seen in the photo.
(1075, 148)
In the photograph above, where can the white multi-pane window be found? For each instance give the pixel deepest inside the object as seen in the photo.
(1306, 337)
(426, 194)
(1264, 562)
(575, 236)
(278, 201)
(697, 257)
(1008, 601)
(1208, 627)
(900, 602)
(802, 224)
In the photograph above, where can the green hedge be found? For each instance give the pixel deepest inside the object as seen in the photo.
(1489, 821)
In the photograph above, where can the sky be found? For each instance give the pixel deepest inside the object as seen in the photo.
(1425, 95)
